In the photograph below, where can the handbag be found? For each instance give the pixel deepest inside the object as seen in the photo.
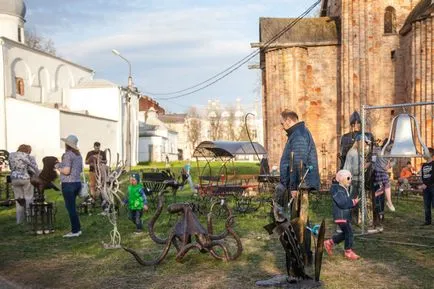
(84, 192)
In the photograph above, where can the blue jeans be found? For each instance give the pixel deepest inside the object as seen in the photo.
(136, 217)
(347, 235)
(70, 192)
(428, 202)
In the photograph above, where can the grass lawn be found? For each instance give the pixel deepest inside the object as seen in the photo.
(49, 261)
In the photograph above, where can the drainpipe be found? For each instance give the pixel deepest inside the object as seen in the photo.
(122, 121)
(4, 94)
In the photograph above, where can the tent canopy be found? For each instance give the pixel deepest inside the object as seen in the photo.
(227, 149)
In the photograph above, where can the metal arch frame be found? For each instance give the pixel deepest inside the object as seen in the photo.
(364, 109)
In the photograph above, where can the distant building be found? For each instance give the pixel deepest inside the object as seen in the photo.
(44, 97)
(156, 140)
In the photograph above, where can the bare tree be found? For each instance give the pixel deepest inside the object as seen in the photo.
(37, 41)
(194, 127)
(215, 123)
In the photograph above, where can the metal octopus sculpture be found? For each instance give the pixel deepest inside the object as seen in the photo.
(107, 183)
(189, 228)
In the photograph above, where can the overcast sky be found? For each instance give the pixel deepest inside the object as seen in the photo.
(172, 44)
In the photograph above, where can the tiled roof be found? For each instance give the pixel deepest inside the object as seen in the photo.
(320, 29)
(173, 118)
(423, 10)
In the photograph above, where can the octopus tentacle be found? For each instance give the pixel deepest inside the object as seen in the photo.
(152, 262)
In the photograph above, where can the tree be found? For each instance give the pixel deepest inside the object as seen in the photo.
(194, 127)
(36, 41)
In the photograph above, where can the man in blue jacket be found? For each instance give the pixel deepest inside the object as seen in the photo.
(299, 156)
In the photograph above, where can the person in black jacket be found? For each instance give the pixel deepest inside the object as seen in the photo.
(428, 186)
(299, 156)
(342, 205)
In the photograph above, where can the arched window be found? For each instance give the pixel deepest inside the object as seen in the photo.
(390, 20)
(19, 85)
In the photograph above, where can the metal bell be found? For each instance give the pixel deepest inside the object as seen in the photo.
(401, 142)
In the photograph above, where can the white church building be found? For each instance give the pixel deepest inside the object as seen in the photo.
(44, 98)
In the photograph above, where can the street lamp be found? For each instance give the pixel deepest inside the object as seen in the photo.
(130, 79)
(128, 110)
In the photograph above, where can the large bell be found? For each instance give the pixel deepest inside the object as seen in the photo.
(401, 142)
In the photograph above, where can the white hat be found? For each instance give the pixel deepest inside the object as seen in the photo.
(71, 140)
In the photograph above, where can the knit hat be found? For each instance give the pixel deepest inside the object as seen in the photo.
(355, 118)
(342, 175)
(136, 176)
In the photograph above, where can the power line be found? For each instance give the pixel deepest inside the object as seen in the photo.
(237, 64)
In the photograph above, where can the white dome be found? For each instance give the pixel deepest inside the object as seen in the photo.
(13, 7)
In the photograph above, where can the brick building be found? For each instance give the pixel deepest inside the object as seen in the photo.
(357, 52)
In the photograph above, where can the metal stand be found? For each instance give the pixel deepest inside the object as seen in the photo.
(41, 217)
(364, 109)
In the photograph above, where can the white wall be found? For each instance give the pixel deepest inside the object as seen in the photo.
(32, 124)
(2, 103)
(101, 102)
(9, 26)
(46, 79)
(144, 143)
(90, 129)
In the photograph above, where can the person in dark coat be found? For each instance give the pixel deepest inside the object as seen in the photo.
(428, 185)
(299, 156)
(342, 205)
(348, 139)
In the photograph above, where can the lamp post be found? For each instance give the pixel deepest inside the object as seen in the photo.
(128, 110)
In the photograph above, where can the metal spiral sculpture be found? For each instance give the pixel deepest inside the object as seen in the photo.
(188, 233)
(107, 183)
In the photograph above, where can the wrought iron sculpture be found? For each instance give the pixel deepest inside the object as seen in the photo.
(295, 236)
(107, 182)
(5, 181)
(41, 212)
(189, 227)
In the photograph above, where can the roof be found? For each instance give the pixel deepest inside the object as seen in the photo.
(228, 149)
(423, 10)
(173, 118)
(320, 29)
(96, 83)
(13, 7)
(18, 44)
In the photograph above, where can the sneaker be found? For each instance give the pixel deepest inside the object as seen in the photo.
(390, 206)
(349, 254)
(328, 245)
(426, 224)
(71, 234)
(138, 232)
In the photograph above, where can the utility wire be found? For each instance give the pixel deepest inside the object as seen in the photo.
(237, 64)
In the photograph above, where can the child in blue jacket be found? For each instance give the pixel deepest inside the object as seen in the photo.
(342, 205)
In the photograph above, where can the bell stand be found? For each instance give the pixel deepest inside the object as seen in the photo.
(364, 109)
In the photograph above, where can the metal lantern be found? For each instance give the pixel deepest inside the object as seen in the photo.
(401, 142)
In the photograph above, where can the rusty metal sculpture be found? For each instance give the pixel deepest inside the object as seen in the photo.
(188, 228)
(108, 184)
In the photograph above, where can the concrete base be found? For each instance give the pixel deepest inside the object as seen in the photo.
(284, 281)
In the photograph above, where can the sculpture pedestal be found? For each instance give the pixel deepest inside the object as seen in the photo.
(41, 217)
(284, 281)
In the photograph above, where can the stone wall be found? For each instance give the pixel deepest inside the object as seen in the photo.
(419, 51)
(369, 60)
(304, 80)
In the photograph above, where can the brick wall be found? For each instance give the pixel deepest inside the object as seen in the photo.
(304, 80)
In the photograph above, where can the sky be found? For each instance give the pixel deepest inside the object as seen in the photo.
(171, 44)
